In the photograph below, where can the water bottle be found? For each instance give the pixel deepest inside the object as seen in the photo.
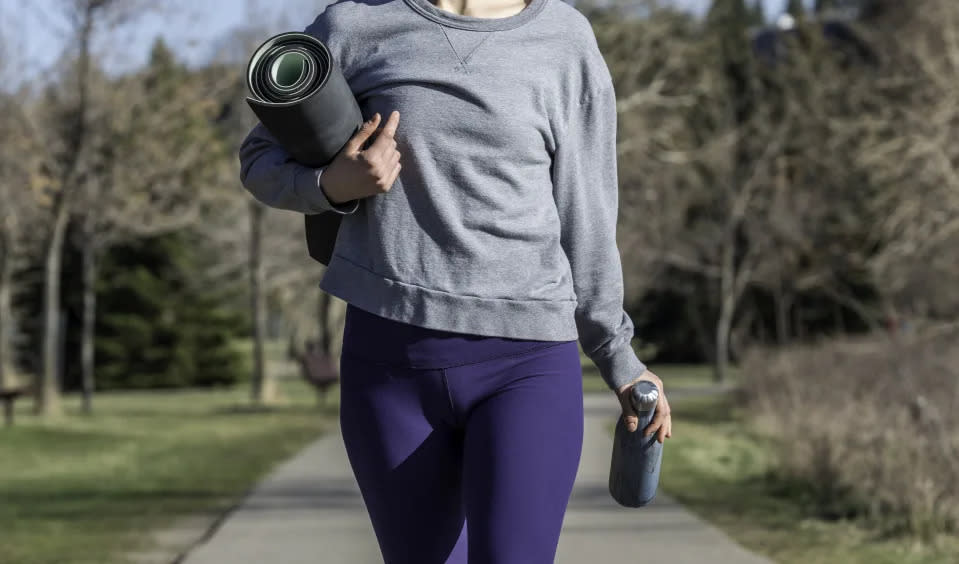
(634, 470)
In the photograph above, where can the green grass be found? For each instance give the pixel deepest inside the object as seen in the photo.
(717, 465)
(674, 376)
(86, 490)
(275, 354)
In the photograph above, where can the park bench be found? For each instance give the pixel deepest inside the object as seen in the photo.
(318, 368)
(8, 396)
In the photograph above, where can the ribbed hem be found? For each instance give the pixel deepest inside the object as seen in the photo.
(544, 320)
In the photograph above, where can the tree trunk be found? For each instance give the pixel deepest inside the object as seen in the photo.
(783, 305)
(6, 311)
(700, 329)
(723, 328)
(89, 318)
(46, 387)
(799, 329)
(838, 318)
(727, 304)
(263, 386)
(47, 390)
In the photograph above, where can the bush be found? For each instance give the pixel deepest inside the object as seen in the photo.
(870, 425)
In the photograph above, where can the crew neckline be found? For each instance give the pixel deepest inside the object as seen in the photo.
(426, 9)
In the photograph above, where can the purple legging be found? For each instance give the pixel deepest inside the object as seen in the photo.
(465, 447)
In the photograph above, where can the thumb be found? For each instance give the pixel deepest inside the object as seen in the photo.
(630, 417)
(360, 137)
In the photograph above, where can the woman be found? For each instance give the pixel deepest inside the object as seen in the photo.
(471, 270)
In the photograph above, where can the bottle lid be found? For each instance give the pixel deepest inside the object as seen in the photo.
(645, 395)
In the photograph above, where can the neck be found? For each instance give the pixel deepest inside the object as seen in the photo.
(482, 8)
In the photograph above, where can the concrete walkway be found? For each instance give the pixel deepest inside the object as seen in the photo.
(309, 510)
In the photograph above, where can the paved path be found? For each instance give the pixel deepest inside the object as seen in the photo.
(309, 510)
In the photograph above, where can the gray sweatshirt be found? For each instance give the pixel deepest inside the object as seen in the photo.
(502, 221)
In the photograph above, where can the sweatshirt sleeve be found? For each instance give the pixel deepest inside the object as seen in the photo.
(270, 174)
(586, 193)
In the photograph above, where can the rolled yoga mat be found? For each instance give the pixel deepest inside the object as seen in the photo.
(301, 97)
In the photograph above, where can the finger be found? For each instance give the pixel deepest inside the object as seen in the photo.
(392, 123)
(651, 428)
(369, 126)
(654, 424)
(394, 173)
(630, 418)
(394, 158)
(384, 140)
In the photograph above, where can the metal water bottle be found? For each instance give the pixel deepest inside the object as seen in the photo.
(634, 470)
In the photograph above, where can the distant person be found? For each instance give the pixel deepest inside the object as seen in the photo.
(472, 270)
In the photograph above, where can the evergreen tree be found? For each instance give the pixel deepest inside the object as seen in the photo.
(162, 325)
(796, 9)
(758, 13)
(729, 21)
(824, 5)
(723, 15)
(874, 10)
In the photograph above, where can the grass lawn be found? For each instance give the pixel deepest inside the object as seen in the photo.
(674, 376)
(86, 490)
(715, 464)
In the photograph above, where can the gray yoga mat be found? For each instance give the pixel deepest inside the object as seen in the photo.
(301, 97)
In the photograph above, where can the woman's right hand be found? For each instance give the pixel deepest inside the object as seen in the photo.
(356, 172)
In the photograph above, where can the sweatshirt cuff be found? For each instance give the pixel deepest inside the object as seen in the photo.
(620, 368)
(308, 186)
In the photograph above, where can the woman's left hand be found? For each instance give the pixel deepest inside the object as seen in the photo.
(661, 423)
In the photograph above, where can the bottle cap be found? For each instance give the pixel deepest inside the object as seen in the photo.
(645, 395)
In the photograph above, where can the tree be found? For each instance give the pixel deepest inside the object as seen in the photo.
(910, 141)
(143, 184)
(233, 125)
(822, 6)
(67, 137)
(734, 103)
(758, 15)
(19, 211)
(164, 324)
(283, 280)
(18, 164)
(693, 96)
(796, 9)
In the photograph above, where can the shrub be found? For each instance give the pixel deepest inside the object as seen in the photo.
(869, 424)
